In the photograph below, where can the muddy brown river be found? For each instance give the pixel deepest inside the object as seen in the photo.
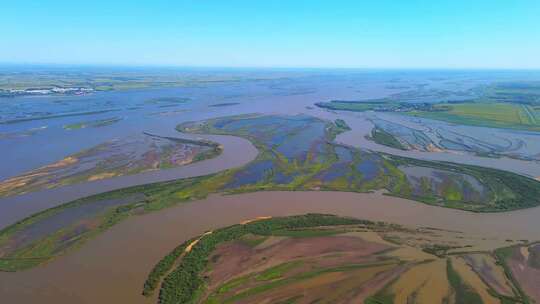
(112, 267)
(237, 151)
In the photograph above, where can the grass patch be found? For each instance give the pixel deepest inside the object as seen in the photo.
(253, 240)
(386, 139)
(278, 271)
(485, 114)
(464, 293)
(502, 255)
(300, 277)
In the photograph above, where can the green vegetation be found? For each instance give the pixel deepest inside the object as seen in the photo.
(93, 123)
(481, 112)
(342, 125)
(161, 268)
(185, 282)
(321, 165)
(384, 138)
(277, 272)
(106, 79)
(378, 105)
(485, 114)
(167, 100)
(358, 106)
(464, 294)
(156, 197)
(383, 296)
(437, 250)
(17, 120)
(503, 255)
(304, 233)
(199, 142)
(522, 92)
(273, 284)
(253, 240)
(509, 191)
(17, 264)
(111, 159)
(502, 105)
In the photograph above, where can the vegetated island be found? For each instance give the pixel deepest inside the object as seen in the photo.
(119, 157)
(331, 259)
(297, 153)
(504, 105)
(93, 123)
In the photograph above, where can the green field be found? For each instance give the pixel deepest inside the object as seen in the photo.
(486, 114)
(520, 92)
(108, 79)
(359, 106)
(386, 139)
(502, 105)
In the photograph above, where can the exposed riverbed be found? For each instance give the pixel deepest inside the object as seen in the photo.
(236, 152)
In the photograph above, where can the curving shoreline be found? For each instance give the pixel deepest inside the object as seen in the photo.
(133, 246)
(237, 152)
(361, 127)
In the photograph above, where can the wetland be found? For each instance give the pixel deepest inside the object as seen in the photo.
(428, 176)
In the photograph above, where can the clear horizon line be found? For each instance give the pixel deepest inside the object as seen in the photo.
(277, 67)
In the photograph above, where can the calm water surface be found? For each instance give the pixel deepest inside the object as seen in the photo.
(112, 267)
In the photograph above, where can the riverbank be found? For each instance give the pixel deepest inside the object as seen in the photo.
(13, 209)
(112, 267)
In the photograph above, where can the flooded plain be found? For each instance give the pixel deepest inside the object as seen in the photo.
(18, 207)
(44, 121)
(362, 125)
(112, 267)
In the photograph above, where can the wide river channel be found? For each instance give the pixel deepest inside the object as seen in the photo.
(112, 267)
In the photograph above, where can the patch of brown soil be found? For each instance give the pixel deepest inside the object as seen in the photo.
(377, 283)
(235, 259)
(426, 283)
(332, 287)
(527, 276)
(473, 280)
(485, 266)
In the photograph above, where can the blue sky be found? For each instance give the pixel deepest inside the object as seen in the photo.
(286, 33)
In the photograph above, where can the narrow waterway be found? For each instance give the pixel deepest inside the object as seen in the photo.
(236, 152)
(112, 267)
(361, 128)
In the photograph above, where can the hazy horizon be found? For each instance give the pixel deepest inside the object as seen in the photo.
(275, 34)
(52, 65)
